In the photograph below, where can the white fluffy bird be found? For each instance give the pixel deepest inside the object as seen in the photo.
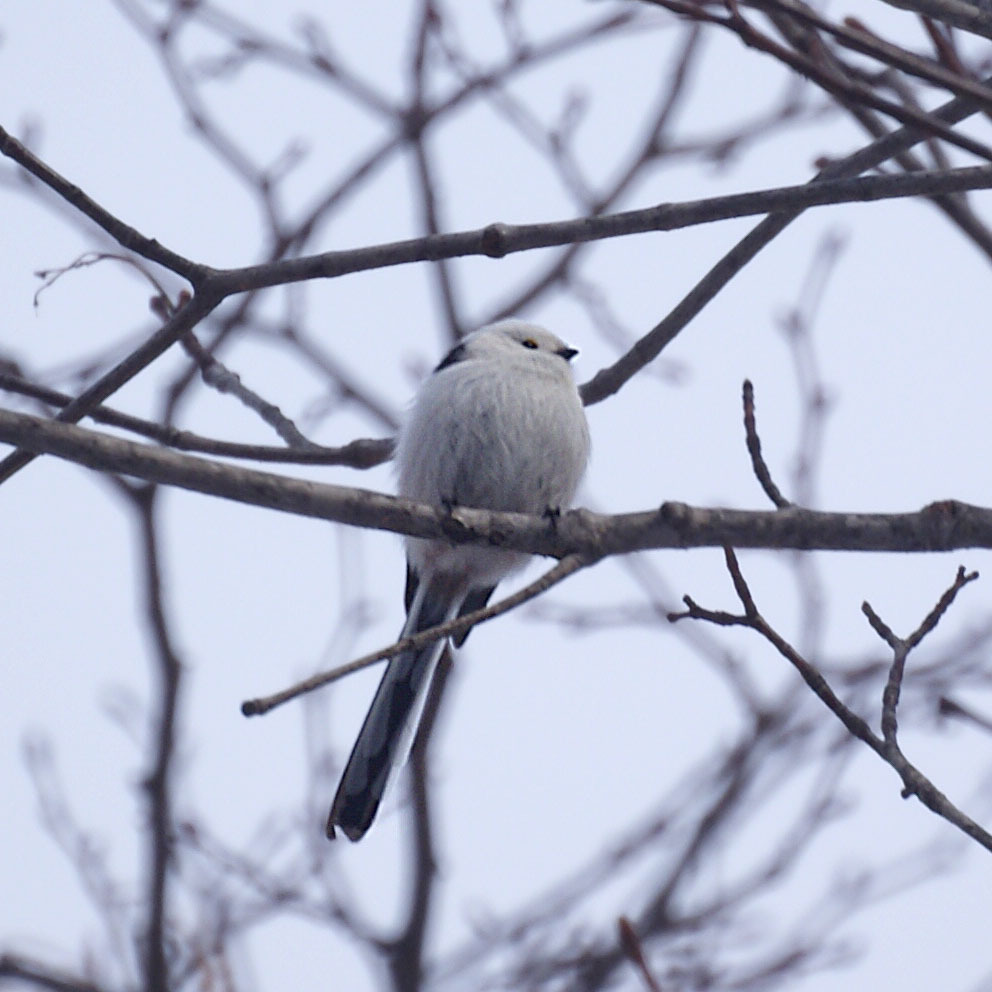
(500, 426)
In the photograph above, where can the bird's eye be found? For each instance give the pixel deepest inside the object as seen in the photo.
(529, 343)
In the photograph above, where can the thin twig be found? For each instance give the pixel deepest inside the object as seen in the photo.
(634, 949)
(564, 568)
(158, 781)
(968, 16)
(855, 36)
(18, 969)
(187, 317)
(360, 453)
(902, 646)
(824, 75)
(949, 707)
(761, 472)
(915, 783)
(220, 377)
(126, 236)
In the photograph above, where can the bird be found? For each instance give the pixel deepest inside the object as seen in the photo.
(498, 425)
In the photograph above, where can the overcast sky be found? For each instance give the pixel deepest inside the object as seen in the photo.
(554, 741)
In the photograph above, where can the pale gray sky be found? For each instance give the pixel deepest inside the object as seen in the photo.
(552, 742)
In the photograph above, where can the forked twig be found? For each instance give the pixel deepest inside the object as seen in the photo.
(902, 646)
(915, 783)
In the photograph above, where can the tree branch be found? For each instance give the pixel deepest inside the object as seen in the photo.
(185, 318)
(967, 16)
(361, 453)
(18, 969)
(758, 464)
(498, 240)
(564, 568)
(915, 783)
(158, 780)
(609, 380)
(940, 526)
(126, 236)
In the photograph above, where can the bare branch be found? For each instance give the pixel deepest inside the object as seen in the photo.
(634, 950)
(902, 646)
(14, 968)
(949, 707)
(761, 472)
(185, 318)
(362, 453)
(915, 783)
(941, 526)
(855, 36)
(124, 235)
(609, 380)
(221, 378)
(158, 781)
(824, 75)
(84, 852)
(835, 184)
(961, 14)
(566, 567)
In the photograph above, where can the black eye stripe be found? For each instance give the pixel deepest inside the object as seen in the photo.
(529, 343)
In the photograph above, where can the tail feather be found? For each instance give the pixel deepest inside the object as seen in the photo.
(386, 736)
(475, 600)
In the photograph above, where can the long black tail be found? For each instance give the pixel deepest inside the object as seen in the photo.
(391, 722)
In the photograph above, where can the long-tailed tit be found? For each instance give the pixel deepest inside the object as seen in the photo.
(500, 426)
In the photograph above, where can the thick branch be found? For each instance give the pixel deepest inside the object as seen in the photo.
(498, 240)
(940, 526)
